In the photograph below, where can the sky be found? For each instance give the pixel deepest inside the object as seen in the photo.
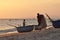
(29, 8)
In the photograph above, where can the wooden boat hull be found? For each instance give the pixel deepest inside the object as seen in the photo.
(56, 24)
(25, 29)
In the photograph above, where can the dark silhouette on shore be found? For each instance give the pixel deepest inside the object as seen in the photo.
(55, 23)
(41, 21)
(39, 17)
(23, 22)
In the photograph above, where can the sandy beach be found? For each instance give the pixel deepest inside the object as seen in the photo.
(47, 34)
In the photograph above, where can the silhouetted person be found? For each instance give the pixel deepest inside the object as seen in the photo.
(41, 21)
(24, 22)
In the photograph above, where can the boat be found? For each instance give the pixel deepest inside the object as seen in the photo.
(28, 28)
(24, 29)
(56, 23)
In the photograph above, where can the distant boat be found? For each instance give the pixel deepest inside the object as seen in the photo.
(55, 23)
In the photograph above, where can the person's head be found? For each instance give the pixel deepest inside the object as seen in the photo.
(24, 19)
(37, 13)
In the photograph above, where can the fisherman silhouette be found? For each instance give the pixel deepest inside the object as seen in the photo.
(41, 21)
(23, 22)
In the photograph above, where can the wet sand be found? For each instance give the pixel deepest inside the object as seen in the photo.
(47, 34)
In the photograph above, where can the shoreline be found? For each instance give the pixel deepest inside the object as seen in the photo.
(13, 33)
(47, 34)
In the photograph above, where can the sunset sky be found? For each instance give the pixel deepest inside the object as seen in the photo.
(29, 8)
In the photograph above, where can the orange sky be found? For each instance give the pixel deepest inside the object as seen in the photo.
(29, 8)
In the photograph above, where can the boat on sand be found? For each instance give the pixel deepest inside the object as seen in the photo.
(56, 23)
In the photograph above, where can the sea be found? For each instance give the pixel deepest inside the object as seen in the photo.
(9, 25)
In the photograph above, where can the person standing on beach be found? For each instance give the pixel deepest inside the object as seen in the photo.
(41, 21)
(23, 22)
